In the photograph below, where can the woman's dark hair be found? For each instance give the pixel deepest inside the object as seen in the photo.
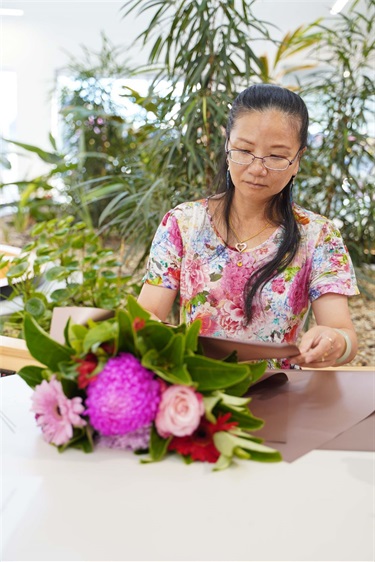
(262, 97)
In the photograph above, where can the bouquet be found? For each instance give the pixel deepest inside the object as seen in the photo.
(132, 383)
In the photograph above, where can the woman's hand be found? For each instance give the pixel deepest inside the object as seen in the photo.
(325, 344)
(320, 347)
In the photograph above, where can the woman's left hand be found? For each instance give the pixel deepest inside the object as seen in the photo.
(320, 347)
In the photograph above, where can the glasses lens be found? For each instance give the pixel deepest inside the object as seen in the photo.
(241, 157)
(276, 163)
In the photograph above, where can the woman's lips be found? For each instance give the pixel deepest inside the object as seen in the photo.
(251, 184)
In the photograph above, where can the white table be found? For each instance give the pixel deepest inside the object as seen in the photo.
(106, 506)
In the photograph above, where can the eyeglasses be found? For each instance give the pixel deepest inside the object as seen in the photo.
(245, 158)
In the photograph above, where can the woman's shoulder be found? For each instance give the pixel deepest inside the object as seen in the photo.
(310, 221)
(188, 209)
(188, 205)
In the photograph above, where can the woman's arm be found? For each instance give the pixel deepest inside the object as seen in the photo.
(157, 300)
(332, 338)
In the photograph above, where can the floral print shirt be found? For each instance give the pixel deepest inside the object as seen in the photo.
(188, 255)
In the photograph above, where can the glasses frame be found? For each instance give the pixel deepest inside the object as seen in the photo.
(228, 153)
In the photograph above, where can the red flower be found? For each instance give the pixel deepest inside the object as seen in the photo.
(199, 446)
(138, 324)
(86, 367)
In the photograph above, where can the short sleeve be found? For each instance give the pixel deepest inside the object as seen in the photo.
(331, 269)
(164, 263)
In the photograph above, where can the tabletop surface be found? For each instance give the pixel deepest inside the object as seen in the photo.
(108, 506)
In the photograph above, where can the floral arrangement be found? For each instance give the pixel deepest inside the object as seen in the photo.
(136, 384)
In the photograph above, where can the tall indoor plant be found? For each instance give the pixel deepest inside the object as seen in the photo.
(337, 174)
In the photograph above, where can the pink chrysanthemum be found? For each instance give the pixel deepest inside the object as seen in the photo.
(137, 440)
(124, 397)
(55, 413)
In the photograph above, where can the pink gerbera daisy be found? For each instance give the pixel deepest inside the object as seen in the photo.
(55, 413)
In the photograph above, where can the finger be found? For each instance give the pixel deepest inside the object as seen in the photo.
(308, 342)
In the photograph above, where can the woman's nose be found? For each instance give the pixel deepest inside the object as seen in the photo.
(256, 167)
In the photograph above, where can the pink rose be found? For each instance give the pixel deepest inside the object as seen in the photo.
(180, 411)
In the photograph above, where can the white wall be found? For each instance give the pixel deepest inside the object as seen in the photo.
(34, 45)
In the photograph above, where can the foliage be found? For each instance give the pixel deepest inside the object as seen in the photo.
(190, 94)
(130, 173)
(36, 201)
(337, 174)
(276, 70)
(95, 132)
(65, 264)
(173, 357)
(99, 141)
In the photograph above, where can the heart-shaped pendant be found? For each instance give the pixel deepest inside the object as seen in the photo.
(241, 246)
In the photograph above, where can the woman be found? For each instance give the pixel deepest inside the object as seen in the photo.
(248, 261)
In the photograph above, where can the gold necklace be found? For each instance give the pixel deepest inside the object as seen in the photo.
(241, 244)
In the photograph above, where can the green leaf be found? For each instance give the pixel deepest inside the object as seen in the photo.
(209, 404)
(227, 443)
(35, 307)
(60, 295)
(222, 463)
(57, 273)
(42, 347)
(126, 333)
(256, 371)
(135, 309)
(48, 157)
(192, 333)
(69, 385)
(82, 439)
(32, 375)
(156, 335)
(100, 333)
(175, 374)
(211, 374)
(244, 418)
(17, 270)
(76, 334)
(158, 445)
(173, 353)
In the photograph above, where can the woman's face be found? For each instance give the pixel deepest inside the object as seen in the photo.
(266, 133)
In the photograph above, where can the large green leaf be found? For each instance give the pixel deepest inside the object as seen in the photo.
(175, 374)
(173, 353)
(192, 333)
(126, 334)
(156, 335)
(135, 309)
(211, 374)
(32, 375)
(158, 445)
(49, 157)
(42, 347)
